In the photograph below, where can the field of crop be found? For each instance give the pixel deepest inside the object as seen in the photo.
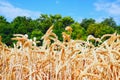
(61, 60)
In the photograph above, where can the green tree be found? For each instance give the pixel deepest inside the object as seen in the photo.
(44, 22)
(67, 21)
(36, 33)
(5, 31)
(109, 22)
(55, 18)
(78, 31)
(38, 27)
(99, 29)
(118, 29)
(23, 25)
(59, 22)
(3, 20)
(86, 22)
(60, 25)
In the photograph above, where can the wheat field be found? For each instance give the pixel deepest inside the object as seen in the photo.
(61, 60)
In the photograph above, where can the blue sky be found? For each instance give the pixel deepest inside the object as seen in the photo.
(77, 9)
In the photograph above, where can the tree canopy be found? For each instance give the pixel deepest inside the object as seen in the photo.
(38, 27)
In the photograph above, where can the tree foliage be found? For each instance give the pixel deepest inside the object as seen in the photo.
(78, 31)
(99, 29)
(38, 27)
(110, 22)
(86, 22)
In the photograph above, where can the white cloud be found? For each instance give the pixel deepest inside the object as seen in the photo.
(112, 8)
(108, 9)
(10, 11)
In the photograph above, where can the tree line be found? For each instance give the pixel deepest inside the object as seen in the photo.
(38, 27)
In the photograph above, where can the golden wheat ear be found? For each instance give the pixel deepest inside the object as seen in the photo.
(61, 60)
